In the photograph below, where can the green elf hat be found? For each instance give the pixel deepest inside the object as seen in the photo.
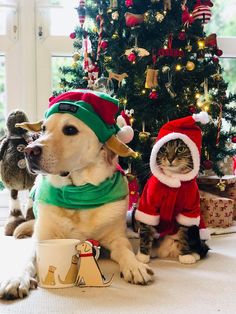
(97, 110)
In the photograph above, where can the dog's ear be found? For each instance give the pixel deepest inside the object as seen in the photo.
(109, 155)
(119, 148)
(33, 127)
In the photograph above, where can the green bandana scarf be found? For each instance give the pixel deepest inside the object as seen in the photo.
(83, 197)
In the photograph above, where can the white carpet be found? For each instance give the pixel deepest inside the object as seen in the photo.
(206, 287)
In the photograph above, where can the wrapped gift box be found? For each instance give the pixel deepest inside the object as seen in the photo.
(209, 184)
(217, 211)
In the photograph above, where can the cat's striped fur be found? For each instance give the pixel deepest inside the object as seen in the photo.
(173, 157)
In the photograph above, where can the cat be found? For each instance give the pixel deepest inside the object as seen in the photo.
(174, 157)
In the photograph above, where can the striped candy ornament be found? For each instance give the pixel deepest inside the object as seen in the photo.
(203, 13)
(101, 19)
(81, 12)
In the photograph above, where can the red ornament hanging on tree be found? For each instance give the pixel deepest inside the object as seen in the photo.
(207, 164)
(192, 109)
(169, 51)
(219, 52)
(215, 60)
(153, 95)
(72, 35)
(233, 139)
(129, 3)
(104, 44)
(132, 57)
(81, 12)
(187, 18)
(202, 11)
(182, 35)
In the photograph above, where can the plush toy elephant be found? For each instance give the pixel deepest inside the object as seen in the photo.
(14, 173)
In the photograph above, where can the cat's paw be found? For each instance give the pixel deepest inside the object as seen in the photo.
(143, 257)
(197, 256)
(187, 259)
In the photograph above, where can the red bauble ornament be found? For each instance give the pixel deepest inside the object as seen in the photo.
(233, 139)
(72, 35)
(215, 60)
(192, 109)
(104, 44)
(219, 52)
(182, 35)
(132, 57)
(153, 95)
(129, 3)
(207, 164)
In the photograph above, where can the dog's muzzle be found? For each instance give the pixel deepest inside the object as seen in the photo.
(33, 154)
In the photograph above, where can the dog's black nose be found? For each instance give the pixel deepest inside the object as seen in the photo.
(32, 152)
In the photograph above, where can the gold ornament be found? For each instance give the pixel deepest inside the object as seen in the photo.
(159, 17)
(178, 67)
(143, 136)
(188, 47)
(221, 185)
(76, 56)
(201, 43)
(107, 59)
(115, 36)
(190, 66)
(115, 15)
(217, 77)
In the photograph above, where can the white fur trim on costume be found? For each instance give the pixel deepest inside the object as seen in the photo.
(174, 180)
(126, 134)
(204, 234)
(201, 117)
(187, 221)
(146, 218)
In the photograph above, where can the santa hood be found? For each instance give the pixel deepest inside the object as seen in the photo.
(186, 130)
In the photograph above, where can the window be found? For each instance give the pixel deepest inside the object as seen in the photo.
(2, 94)
(223, 23)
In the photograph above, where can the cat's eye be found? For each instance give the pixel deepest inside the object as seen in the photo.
(180, 149)
(43, 128)
(70, 130)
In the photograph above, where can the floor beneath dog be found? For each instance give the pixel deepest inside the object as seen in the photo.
(206, 287)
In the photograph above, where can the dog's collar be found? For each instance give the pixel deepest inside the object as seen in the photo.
(83, 197)
(86, 255)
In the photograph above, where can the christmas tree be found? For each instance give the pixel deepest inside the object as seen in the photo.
(155, 57)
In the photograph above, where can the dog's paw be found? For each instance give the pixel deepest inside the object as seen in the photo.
(16, 288)
(137, 273)
(143, 257)
(188, 258)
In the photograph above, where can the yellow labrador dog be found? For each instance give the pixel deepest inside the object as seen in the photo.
(70, 153)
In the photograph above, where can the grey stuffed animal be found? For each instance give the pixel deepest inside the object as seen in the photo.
(14, 173)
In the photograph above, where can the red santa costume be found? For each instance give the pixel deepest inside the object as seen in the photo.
(169, 199)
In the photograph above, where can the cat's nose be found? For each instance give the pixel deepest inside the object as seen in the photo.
(170, 159)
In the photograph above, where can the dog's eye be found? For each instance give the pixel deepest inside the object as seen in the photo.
(70, 130)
